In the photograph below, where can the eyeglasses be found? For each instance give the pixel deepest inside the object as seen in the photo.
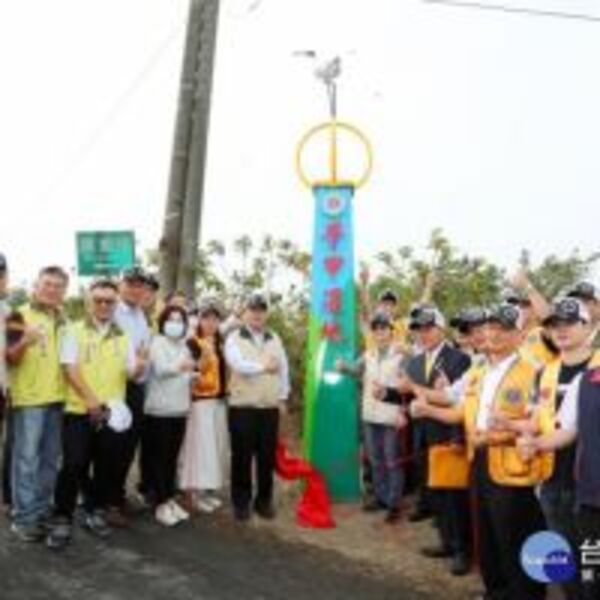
(104, 301)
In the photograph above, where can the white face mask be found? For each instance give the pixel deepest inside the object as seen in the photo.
(174, 329)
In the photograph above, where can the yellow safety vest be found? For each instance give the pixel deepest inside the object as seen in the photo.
(102, 363)
(506, 467)
(535, 350)
(37, 380)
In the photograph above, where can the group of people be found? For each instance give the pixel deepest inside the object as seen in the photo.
(137, 390)
(498, 426)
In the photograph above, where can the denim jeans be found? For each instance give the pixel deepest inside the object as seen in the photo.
(382, 444)
(36, 455)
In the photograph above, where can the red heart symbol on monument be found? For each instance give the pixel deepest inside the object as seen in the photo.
(333, 264)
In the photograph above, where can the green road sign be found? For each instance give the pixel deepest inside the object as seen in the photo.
(104, 252)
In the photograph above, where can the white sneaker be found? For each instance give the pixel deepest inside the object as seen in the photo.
(178, 511)
(165, 515)
(205, 506)
(215, 501)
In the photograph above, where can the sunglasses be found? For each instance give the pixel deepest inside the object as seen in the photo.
(104, 301)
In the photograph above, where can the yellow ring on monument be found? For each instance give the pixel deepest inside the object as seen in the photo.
(333, 126)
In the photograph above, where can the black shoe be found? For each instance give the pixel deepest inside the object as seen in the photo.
(460, 565)
(436, 552)
(60, 534)
(265, 511)
(241, 514)
(95, 523)
(393, 516)
(419, 515)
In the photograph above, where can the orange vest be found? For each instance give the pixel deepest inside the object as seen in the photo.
(506, 467)
(208, 384)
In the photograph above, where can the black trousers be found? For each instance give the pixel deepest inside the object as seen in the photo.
(161, 439)
(253, 433)
(453, 512)
(506, 517)
(88, 466)
(129, 440)
(425, 500)
(7, 458)
(77, 456)
(588, 528)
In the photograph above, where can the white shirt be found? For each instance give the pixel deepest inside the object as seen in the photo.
(132, 320)
(491, 381)
(568, 413)
(236, 360)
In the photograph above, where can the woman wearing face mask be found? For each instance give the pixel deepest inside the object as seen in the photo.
(206, 443)
(167, 404)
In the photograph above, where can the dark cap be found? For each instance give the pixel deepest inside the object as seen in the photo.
(152, 282)
(426, 315)
(584, 290)
(469, 317)
(257, 302)
(568, 310)
(388, 296)
(135, 274)
(3, 263)
(380, 319)
(507, 315)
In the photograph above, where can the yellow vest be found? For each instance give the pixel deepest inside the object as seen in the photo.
(102, 363)
(548, 391)
(255, 391)
(512, 398)
(535, 350)
(37, 380)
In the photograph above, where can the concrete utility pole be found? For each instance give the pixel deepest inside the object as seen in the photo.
(181, 226)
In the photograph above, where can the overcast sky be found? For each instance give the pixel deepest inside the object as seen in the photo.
(485, 124)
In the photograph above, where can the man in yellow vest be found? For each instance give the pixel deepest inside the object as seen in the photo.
(569, 324)
(97, 358)
(494, 410)
(37, 396)
(259, 386)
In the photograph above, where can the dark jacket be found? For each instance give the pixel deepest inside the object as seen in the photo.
(452, 363)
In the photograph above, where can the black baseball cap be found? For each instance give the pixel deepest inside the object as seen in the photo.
(568, 310)
(469, 317)
(584, 290)
(152, 282)
(388, 296)
(257, 301)
(380, 319)
(507, 315)
(426, 315)
(135, 274)
(3, 263)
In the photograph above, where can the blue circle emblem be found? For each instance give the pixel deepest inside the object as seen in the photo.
(547, 557)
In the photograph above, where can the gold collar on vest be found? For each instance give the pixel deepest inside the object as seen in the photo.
(113, 331)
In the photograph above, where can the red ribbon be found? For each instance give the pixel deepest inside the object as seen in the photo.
(314, 508)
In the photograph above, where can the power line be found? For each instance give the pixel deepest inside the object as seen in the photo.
(524, 11)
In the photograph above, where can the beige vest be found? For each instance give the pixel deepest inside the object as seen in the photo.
(254, 391)
(383, 370)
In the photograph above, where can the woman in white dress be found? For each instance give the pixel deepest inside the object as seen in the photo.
(206, 443)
